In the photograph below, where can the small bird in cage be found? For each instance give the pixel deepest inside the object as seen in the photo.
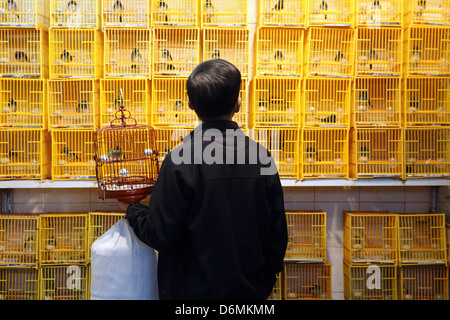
(215, 54)
(413, 105)
(364, 101)
(364, 154)
(72, 6)
(165, 57)
(21, 56)
(329, 119)
(71, 155)
(11, 6)
(310, 155)
(82, 107)
(13, 155)
(11, 107)
(160, 11)
(316, 292)
(262, 105)
(209, 8)
(322, 7)
(278, 7)
(115, 153)
(28, 245)
(118, 7)
(340, 57)
(66, 57)
(135, 57)
(416, 54)
(51, 243)
(357, 242)
(421, 6)
(278, 57)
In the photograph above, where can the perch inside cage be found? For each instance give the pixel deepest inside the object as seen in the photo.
(125, 157)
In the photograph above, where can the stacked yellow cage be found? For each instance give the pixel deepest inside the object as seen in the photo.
(75, 63)
(426, 90)
(307, 273)
(24, 143)
(370, 255)
(423, 273)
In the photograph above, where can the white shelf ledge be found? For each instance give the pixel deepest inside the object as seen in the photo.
(379, 182)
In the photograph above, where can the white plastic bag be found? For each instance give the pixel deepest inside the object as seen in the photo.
(122, 266)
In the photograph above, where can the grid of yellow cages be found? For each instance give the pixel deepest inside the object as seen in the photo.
(279, 52)
(19, 240)
(379, 52)
(75, 14)
(127, 53)
(426, 51)
(232, 45)
(379, 13)
(74, 53)
(23, 103)
(326, 102)
(64, 282)
(282, 13)
(426, 151)
(136, 99)
(25, 14)
(175, 13)
(99, 223)
(63, 239)
(370, 237)
(125, 13)
(421, 238)
(306, 236)
(330, 52)
(376, 152)
(427, 101)
(23, 53)
(331, 13)
(370, 282)
(377, 101)
(423, 282)
(73, 154)
(176, 51)
(283, 143)
(223, 13)
(73, 103)
(24, 154)
(306, 281)
(324, 153)
(427, 12)
(19, 283)
(275, 101)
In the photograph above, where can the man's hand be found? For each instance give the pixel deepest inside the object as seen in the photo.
(124, 205)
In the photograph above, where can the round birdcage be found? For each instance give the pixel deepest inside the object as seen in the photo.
(126, 162)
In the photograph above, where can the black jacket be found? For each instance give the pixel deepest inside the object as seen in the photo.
(220, 229)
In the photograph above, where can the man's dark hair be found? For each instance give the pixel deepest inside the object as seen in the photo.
(213, 88)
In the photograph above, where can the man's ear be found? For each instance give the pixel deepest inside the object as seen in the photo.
(237, 107)
(189, 104)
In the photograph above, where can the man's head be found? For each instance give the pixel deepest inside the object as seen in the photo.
(213, 90)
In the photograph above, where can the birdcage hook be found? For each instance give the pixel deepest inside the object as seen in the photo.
(122, 115)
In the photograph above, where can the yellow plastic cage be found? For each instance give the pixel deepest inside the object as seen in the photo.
(377, 101)
(427, 12)
(325, 153)
(136, 99)
(75, 53)
(23, 103)
(64, 282)
(275, 101)
(306, 236)
(331, 13)
(24, 154)
(379, 52)
(282, 13)
(127, 53)
(228, 44)
(370, 282)
(279, 52)
(176, 51)
(326, 102)
(427, 152)
(307, 281)
(276, 293)
(422, 238)
(175, 13)
(370, 237)
(376, 152)
(19, 283)
(25, 14)
(99, 223)
(75, 14)
(19, 240)
(425, 282)
(125, 13)
(427, 101)
(373, 13)
(73, 154)
(426, 51)
(283, 144)
(223, 13)
(23, 53)
(330, 52)
(63, 238)
(72, 104)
